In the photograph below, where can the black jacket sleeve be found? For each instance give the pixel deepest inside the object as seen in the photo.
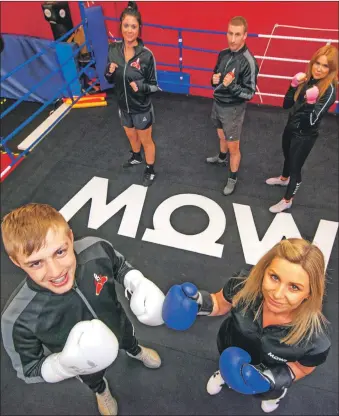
(149, 84)
(111, 50)
(313, 112)
(215, 71)
(236, 282)
(24, 349)
(119, 264)
(289, 97)
(110, 77)
(246, 89)
(318, 348)
(232, 287)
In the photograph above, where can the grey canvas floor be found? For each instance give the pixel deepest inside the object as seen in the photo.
(91, 142)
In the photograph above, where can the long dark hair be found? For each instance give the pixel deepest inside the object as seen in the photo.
(131, 10)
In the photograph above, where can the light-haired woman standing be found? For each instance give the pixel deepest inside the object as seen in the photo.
(309, 97)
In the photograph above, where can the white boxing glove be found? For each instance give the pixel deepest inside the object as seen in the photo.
(90, 347)
(146, 298)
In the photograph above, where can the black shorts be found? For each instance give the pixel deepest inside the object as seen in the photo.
(140, 121)
(230, 119)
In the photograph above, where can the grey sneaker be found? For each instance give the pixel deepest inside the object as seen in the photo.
(107, 405)
(148, 357)
(230, 186)
(215, 160)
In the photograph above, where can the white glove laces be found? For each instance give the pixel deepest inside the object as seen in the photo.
(128, 293)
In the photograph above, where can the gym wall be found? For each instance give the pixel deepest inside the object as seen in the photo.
(27, 18)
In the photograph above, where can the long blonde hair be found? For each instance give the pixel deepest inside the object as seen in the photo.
(308, 318)
(331, 53)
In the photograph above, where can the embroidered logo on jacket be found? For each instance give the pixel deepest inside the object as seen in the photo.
(99, 283)
(136, 64)
(277, 358)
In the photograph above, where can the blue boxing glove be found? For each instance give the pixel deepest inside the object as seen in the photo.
(241, 376)
(180, 307)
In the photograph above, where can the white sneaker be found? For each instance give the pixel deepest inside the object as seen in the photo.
(280, 206)
(148, 357)
(269, 406)
(215, 384)
(277, 181)
(107, 405)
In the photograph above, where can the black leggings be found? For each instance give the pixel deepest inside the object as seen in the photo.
(296, 148)
(129, 343)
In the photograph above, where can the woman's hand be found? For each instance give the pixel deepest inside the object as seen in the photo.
(312, 94)
(298, 79)
(112, 67)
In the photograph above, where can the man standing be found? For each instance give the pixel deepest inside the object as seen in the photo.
(234, 79)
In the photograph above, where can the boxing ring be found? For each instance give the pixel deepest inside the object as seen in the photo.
(64, 55)
(176, 77)
(181, 84)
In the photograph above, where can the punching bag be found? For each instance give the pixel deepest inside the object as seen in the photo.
(58, 15)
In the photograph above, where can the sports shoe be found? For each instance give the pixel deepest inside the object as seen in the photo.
(215, 384)
(271, 405)
(149, 357)
(107, 404)
(277, 181)
(280, 206)
(215, 160)
(148, 178)
(230, 186)
(132, 161)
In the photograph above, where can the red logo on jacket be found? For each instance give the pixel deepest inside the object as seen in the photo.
(136, 64)
(99, 283)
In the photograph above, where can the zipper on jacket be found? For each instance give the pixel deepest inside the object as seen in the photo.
(89, 307)
(225, 70)
(125, 87)
(228, 62)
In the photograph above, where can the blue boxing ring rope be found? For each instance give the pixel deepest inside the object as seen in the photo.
(179, 82)
(15, 159)
(181, 46)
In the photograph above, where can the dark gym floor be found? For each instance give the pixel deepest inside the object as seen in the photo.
(91, 142)
(16, 117)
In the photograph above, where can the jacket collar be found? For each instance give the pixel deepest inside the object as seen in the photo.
(137, 48)
(240, 51)
(313, 81)
(34, 286)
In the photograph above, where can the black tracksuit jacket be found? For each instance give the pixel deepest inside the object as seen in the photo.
(141, 69)
(243, 86)
(36, 322)
(304, 119)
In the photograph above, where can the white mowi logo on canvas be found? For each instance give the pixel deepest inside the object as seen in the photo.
(206, 242)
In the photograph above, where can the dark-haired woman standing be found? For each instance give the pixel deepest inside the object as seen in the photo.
(131, 67)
